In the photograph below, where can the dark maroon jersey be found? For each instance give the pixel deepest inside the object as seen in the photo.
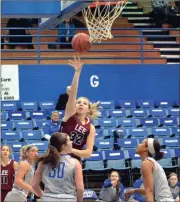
(76, 130)
(7, 176)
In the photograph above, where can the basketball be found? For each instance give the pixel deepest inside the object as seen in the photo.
(81, 43)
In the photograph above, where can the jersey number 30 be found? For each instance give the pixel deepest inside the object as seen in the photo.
(58, 172)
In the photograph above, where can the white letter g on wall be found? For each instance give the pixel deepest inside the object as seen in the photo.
(94, 81)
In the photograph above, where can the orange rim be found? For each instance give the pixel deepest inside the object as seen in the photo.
(93, 5)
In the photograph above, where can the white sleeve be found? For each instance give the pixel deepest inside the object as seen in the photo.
(47, 137)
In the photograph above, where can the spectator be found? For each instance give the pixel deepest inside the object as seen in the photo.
(158, 12)
(137, 197)
(19, 23)
(66, 31)
(63, 98)
(172, 14)
(112, 189)
(173, 180)
(53, 126)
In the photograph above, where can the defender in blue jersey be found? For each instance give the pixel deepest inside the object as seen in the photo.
(60, 173)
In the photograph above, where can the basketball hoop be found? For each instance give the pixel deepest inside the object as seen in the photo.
(99, 20)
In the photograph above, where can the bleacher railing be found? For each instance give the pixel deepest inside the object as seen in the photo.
(123, 53)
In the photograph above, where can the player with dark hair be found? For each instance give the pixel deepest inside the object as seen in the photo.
(60, 173)
(155, 182)
(8, 167)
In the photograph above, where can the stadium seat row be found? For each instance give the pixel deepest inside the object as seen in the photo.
(133, 143)
(116, 113)
(27, 115)
(108, 144)
(103, 122)
(50, 105)
(101, 134)
(23, 125)
(137, 132)
(117, 159)
(120, 159)
(132, 122)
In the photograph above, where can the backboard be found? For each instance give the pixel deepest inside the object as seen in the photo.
(68, 9)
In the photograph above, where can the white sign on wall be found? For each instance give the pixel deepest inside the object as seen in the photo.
(9, 82)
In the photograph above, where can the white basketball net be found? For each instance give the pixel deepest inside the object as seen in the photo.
(99, 22)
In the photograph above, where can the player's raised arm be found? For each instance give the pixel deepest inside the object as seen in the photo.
(89, 145)
(71, 104)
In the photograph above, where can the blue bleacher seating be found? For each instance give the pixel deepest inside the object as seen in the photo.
(96, 123)
(27, 106)
(41, 153)
(119, 132)
(32, 135)
(176, 103)
(157, 112)
(99, 130)
(140, 139)
(23, 125)
(127, 104)
(175, 131)
(118, 113)
(19, 115)
(149, 122)
(95, 162)
(145, 103)
(127, 143)
(47, 105)
(11, 135)
(16, 156)
(138, 132)
(104, 144)
(176, 152)
(107, 104)
(7, 125)
(41, 145)
(161, 131)
(115, 160)
(38, 115)
(8, 106)
(172, 121)
(40, 124)
(103, 113)
(166, 162)
(135, 159)
(107, 122)
(4, 116)
(164, 103)
(99, 136)
(174, 111)
(127, 122)
(16, 146)
(170, 142)
(139, 112)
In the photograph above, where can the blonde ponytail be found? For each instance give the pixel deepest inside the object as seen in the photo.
(94, 110)
(23, 151)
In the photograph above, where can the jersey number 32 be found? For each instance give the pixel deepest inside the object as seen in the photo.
(76, 138)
